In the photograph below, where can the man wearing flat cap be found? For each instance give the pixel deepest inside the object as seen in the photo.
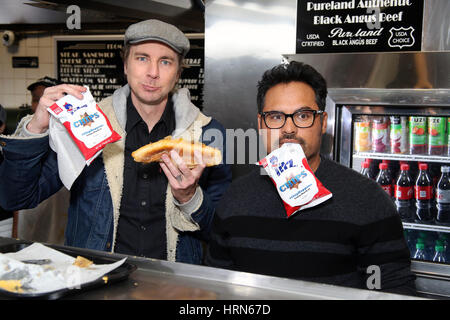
(161, 211)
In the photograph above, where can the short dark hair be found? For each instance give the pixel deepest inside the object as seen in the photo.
(292, 72)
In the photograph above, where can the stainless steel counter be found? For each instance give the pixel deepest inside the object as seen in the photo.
(163, 280)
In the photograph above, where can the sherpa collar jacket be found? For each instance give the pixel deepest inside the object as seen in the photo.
(29, 175)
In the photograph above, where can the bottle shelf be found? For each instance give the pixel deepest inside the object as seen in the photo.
(401, 157)
(426, 227)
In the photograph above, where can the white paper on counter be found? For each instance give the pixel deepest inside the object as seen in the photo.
(59, 274)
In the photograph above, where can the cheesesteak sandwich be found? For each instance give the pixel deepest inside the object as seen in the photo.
(153, 152)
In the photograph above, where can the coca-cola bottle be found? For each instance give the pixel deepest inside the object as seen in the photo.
(384, 180)
(423, 191)
(443, 196)
(404, 193)
(409, 171)
(389, 170)
(365, 169)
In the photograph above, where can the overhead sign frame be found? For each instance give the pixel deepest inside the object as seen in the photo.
(325, 26)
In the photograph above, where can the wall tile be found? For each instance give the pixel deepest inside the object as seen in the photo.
(33, 74)
(20, 86)
(2, 70)
(45, 55)
(32, 52)
(8, 85)
(9, 101)
(4, 56)
(32, 42)
(21, 50)
(20, 99)
(9, 70)
(19, 73)
(47, 69)
(45, 42)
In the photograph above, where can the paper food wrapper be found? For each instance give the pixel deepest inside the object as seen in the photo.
(79, 131)
(59, 273)
(296, 184)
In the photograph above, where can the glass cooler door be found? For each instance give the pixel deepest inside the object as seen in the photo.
(384, 134)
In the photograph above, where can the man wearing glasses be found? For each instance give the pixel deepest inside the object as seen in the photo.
(354, 239)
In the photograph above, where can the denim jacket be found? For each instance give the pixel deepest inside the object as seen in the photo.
(29, 175)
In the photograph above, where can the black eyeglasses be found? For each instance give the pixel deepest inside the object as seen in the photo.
(301, 118)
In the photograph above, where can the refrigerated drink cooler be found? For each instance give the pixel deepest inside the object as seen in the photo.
(398, 127)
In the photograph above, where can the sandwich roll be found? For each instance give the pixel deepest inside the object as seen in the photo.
(153, 152)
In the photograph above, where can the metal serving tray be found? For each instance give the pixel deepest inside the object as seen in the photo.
(119, 274)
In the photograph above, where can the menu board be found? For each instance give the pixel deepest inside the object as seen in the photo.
(92, 62)
(192, 76)
(359, 26)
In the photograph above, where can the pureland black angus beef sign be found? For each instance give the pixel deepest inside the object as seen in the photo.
(359, 26)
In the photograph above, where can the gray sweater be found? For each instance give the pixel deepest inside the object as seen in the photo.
(335, 242)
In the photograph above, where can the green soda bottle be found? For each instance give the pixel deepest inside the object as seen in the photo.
(417, 135)
(436, 135)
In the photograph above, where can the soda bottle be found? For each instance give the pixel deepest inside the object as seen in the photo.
(399, 134)
(365, 169)
(362, 134)
(390, 170)
(399, 172)
(439, 255)
(436, 135)
(428, 241)
(443, 196)
(380, 134)
(404, 192)
(423, 191)
(443, 236)
(418, 135)
(420, 251)
(384, 180)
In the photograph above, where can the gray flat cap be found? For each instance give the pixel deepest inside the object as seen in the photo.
(157, 31)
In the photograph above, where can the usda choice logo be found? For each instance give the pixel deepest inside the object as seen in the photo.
(401, 37)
